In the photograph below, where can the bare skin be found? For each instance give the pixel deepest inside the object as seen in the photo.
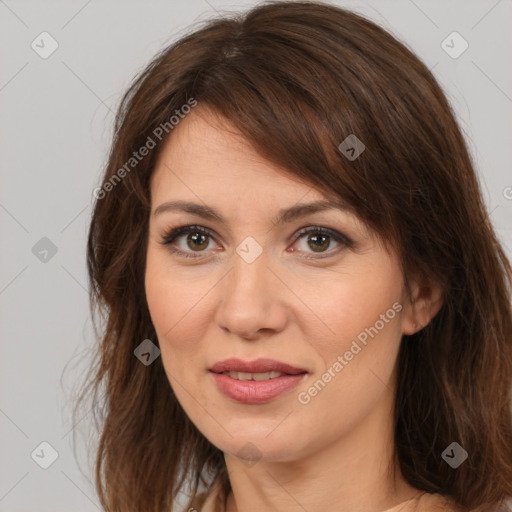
(331, 452)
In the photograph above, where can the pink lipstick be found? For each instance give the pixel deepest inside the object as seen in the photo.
(255, 382)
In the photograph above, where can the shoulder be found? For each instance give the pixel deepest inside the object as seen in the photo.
(427, 502)
(438, 503)
(197, 503)
(208, 501)
(212, 500)
(441, 503)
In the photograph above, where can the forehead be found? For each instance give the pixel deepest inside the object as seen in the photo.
(206, 156)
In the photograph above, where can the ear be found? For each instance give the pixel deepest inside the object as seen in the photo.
(423, 305)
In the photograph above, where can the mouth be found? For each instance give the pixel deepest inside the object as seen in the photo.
(259, 368)
(255, 382)
(259, 376)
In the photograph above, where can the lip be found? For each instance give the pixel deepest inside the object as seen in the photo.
(256, 392)
(257, 366)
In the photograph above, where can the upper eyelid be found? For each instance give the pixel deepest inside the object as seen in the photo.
(189, 227)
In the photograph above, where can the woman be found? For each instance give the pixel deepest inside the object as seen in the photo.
(306, 305)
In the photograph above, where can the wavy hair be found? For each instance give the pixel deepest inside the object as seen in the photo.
(296, 79)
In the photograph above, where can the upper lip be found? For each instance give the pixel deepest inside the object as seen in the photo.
(256, 366)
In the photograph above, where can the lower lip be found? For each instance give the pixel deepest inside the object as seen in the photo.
(256, 392)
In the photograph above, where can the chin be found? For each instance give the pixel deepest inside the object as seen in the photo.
(254, 446)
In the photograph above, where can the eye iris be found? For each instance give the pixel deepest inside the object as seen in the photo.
(194, 237)
(316, 246)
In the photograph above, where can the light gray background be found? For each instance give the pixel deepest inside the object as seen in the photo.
(55, 122)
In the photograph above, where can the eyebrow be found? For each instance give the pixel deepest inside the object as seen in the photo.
(284, 215)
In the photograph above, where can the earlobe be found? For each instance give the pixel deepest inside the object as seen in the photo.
(425, 302)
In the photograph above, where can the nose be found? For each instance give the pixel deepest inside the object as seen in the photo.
(252, 303)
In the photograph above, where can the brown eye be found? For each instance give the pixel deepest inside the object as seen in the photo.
(318, 243)
(319, 240)
(197, 241)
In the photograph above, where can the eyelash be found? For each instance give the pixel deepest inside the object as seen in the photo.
(176, 233)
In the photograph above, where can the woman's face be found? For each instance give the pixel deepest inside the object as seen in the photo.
(253, 288)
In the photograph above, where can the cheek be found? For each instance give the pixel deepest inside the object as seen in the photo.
(344, 305)
(171, 310)
(357, 341)
(177, 306)
(357, 362)
(160, 297)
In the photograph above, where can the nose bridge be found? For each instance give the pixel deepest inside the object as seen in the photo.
(249, 301)
(250, 268)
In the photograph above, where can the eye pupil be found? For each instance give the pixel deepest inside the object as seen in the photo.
(322, 244)
(194, 238)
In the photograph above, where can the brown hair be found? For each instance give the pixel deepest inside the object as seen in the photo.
(297, 78)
